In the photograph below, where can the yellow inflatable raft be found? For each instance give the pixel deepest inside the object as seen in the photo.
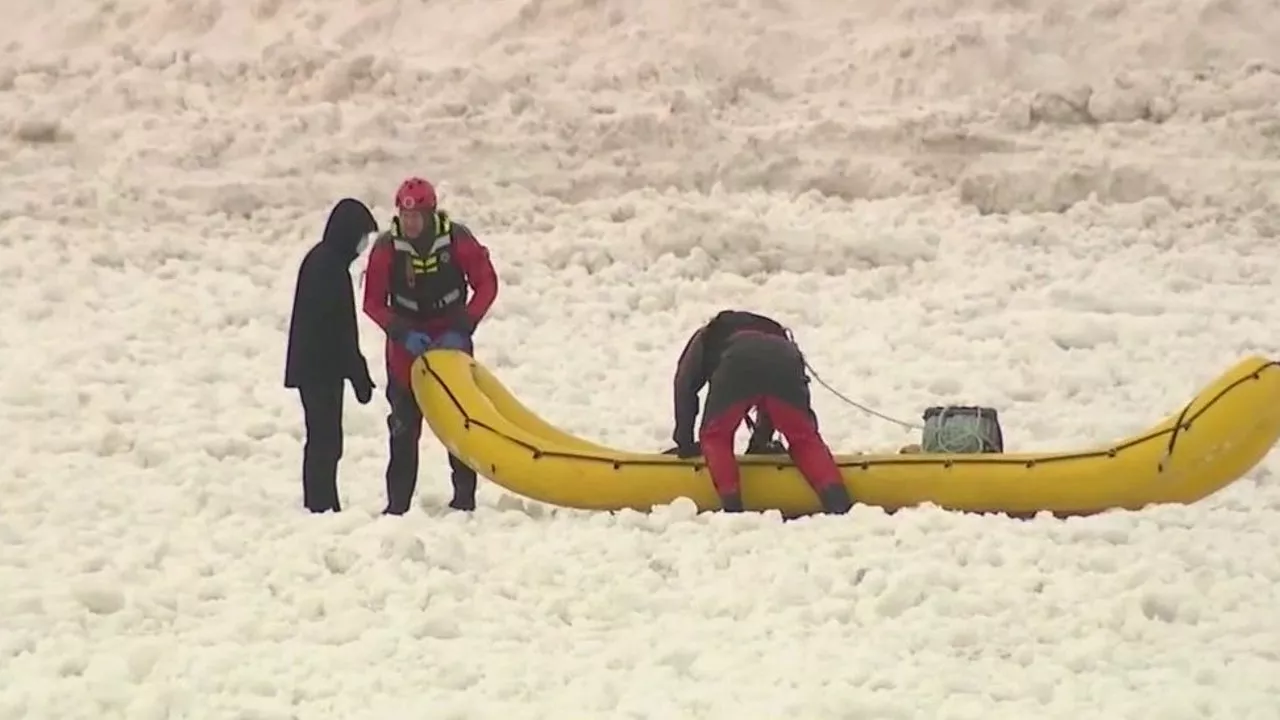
(1217, 438)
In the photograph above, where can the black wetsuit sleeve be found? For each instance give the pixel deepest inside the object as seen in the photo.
(348, 340)
(689, 380)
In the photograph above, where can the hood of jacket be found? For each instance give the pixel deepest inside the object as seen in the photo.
(349, 223)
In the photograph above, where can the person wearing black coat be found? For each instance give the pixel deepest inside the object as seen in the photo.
(324, 348)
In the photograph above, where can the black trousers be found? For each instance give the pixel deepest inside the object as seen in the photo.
(322, 414)
(405, 425)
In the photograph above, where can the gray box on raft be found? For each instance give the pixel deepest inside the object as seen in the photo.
(961, 429)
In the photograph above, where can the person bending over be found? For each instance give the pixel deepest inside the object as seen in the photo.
(749, 361)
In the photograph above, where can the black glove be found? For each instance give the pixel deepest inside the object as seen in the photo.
(363, 387)
(770, 447)
(685, 451)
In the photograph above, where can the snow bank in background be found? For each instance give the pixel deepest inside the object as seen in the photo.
(1017, 106)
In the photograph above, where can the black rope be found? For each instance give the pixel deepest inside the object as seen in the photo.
(1184, 422)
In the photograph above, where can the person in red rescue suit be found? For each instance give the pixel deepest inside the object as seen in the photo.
(750, 361)
(427, 280)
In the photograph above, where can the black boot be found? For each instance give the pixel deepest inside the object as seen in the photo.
(320, 484)
(404, 428)
(402, 474)
(731, 502)
(464, 485)
(836, 500)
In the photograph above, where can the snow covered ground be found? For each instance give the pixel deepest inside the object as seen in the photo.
(1068, 211)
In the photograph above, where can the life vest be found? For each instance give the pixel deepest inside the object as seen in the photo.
(426, 282)
(724, 326)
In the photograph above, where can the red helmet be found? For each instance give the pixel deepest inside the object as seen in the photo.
(416, 194)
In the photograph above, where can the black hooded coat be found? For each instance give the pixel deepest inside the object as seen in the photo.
(324, 344)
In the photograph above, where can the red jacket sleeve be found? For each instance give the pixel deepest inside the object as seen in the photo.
(473, 259)
(377, 277)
